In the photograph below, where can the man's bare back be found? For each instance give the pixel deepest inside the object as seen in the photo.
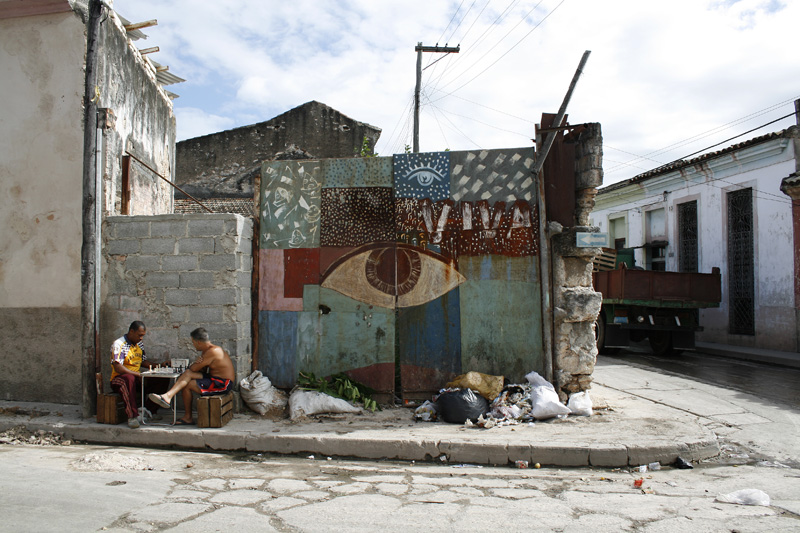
(215, 362)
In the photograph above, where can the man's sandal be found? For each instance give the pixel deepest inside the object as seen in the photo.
(158, 400)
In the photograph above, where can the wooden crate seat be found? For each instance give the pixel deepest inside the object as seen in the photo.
(214, 411)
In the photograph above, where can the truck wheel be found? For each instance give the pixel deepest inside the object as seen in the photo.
(600, 336)
(661, 343)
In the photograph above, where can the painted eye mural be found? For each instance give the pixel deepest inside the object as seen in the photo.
(388, 274)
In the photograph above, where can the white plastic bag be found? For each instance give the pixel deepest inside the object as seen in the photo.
(580, 404)
(307, 403)
(259, 394)
(544, 399)
(745, 497)
(536, 380)
(546, 404)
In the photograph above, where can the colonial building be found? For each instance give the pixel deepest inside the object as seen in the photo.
(724, 209)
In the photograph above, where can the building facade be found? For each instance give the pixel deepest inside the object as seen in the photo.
(48, 49)
(724, 209)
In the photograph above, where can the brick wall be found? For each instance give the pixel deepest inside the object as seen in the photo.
(176, 273)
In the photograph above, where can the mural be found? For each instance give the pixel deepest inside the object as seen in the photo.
(401, 271)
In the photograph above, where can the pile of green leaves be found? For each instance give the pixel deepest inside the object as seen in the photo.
(339, 386)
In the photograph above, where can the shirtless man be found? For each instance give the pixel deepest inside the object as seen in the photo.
(212, 373)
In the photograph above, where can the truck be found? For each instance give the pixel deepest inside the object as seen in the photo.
(663, 307)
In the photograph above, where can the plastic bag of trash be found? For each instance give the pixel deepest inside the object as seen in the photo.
(745, 497)
(544, 399)
(484, 384)
(536, 380)
(426, 412)
(310, 402)
(580, 404)
(259, 394)
(456, 407)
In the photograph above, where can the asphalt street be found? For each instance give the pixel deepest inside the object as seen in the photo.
(772, 382)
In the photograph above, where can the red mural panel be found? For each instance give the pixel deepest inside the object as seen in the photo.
(301, 267)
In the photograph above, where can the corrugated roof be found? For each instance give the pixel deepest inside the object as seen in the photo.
(681, 163)
(239, 206)
(163, 77)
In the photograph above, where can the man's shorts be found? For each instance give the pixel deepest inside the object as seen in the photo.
(210, 385)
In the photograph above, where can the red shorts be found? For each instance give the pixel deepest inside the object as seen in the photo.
(210, 385)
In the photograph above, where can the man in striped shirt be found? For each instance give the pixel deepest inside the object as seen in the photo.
(127, 359)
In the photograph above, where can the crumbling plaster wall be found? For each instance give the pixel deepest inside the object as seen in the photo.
(225, 163)
(143, 125)
(575, 302)
(41, 147)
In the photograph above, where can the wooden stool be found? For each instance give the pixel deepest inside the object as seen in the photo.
(214, 411)
(110, 407)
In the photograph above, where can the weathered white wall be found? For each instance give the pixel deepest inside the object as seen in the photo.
(41, 151)
(760, 167)
(42, 59)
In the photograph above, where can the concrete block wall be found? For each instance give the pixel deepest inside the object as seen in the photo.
(178, 272)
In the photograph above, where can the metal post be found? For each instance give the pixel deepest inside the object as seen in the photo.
(420, 49)
(90, 229)
(416, 98)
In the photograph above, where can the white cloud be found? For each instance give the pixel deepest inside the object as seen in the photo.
(657, 76)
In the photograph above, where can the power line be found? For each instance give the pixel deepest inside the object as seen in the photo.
(702, 135)
(522, 19)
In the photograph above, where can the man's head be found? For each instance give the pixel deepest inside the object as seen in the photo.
(199, 337)
(136, 331)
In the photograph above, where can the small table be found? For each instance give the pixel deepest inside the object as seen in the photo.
(167, 373)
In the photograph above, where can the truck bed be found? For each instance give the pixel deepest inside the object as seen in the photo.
(656, 288)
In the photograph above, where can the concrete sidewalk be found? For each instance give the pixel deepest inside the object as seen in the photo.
(640, 417)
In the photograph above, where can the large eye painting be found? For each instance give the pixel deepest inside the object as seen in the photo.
(390, 274)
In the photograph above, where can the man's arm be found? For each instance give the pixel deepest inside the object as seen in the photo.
(122, 369)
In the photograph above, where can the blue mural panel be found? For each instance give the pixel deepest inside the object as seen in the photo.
(277, 347)
(422, 176)
(357, 172)
(429, 345)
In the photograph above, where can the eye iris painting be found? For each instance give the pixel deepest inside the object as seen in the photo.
(392, 275)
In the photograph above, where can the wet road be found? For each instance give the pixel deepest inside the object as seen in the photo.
(775, 383)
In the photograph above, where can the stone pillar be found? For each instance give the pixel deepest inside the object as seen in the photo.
(575, 309)
(575, 302)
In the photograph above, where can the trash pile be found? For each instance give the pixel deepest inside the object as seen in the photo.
(19, 436)
(476, 399)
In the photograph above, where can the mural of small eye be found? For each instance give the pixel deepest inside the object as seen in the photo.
(425, 176)
(392, 275)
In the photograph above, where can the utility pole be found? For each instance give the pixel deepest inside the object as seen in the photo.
(420, 49)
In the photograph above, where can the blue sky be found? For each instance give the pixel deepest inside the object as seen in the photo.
(663, 79)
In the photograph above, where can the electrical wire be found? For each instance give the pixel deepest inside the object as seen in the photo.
(521, 20)
(699, 136)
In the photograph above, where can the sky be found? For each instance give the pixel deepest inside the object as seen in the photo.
(664, 79)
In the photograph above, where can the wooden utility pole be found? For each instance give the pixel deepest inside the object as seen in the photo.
(420, 49)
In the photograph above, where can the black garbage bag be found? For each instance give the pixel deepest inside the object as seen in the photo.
(456, 407)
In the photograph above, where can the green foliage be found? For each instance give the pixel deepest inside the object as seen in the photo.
(408, 149)
(365, 150)
(340, 386)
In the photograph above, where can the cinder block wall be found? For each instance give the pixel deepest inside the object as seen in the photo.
(176, 273)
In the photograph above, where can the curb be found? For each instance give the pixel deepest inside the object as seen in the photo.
(410, 449)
